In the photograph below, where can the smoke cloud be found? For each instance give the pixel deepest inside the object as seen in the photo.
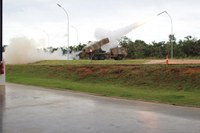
(23, 50)
(115, 35)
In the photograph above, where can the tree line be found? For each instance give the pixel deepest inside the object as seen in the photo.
(189, 47)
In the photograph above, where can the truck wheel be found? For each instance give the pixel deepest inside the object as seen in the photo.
(95, 57)
(102, 57)
(120, 57)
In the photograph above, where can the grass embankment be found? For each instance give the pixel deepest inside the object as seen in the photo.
(173, 84)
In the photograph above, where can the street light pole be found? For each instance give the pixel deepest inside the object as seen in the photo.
(67, 28)
(171, 31)
(172, 47)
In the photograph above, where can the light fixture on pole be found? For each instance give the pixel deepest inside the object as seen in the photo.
(67, 29)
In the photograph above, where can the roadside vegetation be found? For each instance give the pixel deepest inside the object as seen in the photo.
(172, 84)
(189, 47)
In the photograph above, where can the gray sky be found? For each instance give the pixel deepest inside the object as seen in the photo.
(40, 19)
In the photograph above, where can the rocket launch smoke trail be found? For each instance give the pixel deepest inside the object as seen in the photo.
(114, 36)
(23, 50)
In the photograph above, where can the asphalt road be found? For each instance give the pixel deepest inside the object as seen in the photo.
(28, 109)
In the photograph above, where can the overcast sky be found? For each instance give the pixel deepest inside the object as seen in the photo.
(43, 19)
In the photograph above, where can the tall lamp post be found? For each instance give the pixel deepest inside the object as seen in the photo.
(171, 35)
(171, 41)
(67, 28)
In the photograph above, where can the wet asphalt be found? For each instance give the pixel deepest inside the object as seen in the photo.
(29, 109)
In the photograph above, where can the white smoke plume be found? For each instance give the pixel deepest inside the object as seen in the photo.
(115, 35)
(23, 50)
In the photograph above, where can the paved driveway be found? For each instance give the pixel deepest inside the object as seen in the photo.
(28, 109)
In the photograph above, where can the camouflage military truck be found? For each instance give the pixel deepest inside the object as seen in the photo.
(95, 52)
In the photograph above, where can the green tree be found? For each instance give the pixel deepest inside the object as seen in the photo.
(80, 47)
(128, 44)
(139, 48)
(190, 46)
(158, 49)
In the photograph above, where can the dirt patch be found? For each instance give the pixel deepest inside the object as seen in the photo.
(193, 70)
(84, 71)
(174, 61)
(185, 61)
(156, 62)
(104, 70)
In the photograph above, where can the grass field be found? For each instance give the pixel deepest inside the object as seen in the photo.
(89, 62)
(172, 84)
